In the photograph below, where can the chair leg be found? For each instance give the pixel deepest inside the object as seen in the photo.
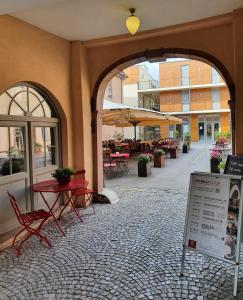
(21, 243)
(76, 210)
(38, 234)
(90, 200)
(14, 240)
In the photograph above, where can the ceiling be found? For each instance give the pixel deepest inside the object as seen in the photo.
(90, 19)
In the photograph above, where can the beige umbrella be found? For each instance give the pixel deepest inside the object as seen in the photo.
(120, 115)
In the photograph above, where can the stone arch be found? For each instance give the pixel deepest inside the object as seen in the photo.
(152, 56)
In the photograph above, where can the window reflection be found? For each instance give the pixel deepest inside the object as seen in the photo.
(44, 147)
(11, 150)
(39, 147)
(23, 100)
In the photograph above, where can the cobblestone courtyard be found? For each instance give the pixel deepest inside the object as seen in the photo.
(128, 250)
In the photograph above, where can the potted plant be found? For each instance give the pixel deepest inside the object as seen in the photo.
(185, 148)
(216, 158)
(173, 151)
(221, 166)
(38, 147)
(187, 140)
(63, 176)
(144, 166)
(159, 158)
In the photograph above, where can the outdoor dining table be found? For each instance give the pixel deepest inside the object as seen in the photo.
(52, 186)
(119, 155)
(122, 163)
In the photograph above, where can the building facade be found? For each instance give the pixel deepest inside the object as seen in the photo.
(123, 88)
(114, 93)
(195, 92)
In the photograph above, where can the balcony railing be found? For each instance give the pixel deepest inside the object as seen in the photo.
(150, 84)
(193, 106)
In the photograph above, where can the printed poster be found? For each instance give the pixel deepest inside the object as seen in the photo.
(213, 215)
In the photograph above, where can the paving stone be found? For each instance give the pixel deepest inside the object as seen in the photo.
(129, 250)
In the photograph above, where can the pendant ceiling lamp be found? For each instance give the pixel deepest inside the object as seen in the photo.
(132, 22)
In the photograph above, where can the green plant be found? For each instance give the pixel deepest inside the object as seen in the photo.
(159, 152)
(176, 134)
(223, 134)
(145, 158)
(63, 173)
(221, 165)
(17, 165)
(118, 136)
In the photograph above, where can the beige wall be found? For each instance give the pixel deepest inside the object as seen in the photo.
(32, 55)
(116, 83)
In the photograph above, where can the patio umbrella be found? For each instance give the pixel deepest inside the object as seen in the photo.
(120, 115)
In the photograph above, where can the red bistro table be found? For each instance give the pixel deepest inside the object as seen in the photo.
(119, 155)
(52, 186)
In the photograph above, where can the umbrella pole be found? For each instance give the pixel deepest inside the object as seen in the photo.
(135, 131)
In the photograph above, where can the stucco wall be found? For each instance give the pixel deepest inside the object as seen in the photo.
(32, 55)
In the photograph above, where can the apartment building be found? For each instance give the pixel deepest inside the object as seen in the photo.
(195, 92)
(114, 93)
(123, 88)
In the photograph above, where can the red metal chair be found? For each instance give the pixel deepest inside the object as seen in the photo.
(26, 220)
(86, 192)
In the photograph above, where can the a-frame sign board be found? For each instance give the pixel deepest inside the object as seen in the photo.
(214, 218)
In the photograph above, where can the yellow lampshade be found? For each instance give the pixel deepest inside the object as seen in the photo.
(132, 23)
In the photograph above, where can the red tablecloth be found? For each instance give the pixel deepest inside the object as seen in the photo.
(117, 155)
(52, 186)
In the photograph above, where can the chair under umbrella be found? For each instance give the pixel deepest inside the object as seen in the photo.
(120, 115)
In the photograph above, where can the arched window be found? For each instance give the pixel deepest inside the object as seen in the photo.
(25, 101)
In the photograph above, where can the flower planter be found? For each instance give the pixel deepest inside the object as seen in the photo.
(144, 169)
(173, 153)
(214, 165)
(159, 160)
(185, 148)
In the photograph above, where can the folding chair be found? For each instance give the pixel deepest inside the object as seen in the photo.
(109, 166)
(87, 193)
(26, 220)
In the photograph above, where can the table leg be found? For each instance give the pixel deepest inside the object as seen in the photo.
(70, 200)
(51, 212)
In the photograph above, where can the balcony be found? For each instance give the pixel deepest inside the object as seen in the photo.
(150, 84)
(194, 107)
(175, 84)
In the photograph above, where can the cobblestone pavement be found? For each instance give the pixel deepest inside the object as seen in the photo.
(129, 250)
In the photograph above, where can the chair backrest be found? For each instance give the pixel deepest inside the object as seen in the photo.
(15, 207)
(80, 173)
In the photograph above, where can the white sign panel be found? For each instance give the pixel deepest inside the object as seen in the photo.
(213, 215)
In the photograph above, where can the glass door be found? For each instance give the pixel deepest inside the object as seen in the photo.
(45, 156)
(14, 171)
(208, 133)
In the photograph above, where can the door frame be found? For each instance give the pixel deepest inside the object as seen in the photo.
(20, 175)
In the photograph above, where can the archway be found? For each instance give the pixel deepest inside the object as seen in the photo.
(151, 56)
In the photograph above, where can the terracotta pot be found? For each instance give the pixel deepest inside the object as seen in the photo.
(144, 169)
(159, 160)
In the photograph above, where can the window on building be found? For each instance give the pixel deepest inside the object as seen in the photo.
(215, 76)
(109, 89)
(215, 99)
(185, 80)
(185, 100)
